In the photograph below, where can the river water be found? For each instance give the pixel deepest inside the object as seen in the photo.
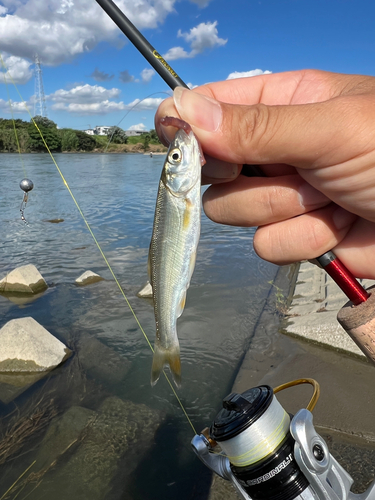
(117, 193)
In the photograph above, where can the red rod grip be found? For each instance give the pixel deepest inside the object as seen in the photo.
(346, 281)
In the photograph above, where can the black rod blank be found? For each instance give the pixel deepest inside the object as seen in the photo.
(170, 77)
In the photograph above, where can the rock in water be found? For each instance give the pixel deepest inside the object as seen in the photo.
(28, 347)
(87, 278)
(24, 279)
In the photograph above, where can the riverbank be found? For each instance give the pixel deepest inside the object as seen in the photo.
(304, 340)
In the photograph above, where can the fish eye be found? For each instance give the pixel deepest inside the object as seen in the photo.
(175, 156)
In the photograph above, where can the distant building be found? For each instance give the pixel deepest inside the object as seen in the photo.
(102, 130)
(98, 130)
(132, 133)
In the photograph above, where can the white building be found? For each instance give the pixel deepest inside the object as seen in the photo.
(102, 130)
(132, 133)
(98, 130)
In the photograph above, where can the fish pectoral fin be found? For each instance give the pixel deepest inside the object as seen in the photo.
(181, 305)
(193, 258)
(166, 357)
(146, 291)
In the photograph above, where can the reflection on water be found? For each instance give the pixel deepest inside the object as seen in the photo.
(228, 290)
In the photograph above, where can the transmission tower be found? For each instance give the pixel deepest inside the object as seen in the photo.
(40, 108)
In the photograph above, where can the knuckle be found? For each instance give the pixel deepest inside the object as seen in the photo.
(248, 127)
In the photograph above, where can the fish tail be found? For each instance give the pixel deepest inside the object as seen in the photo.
(164, 357)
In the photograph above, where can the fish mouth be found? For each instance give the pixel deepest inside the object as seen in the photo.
(172, 121)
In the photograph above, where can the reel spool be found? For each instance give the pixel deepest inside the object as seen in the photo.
(252, 430)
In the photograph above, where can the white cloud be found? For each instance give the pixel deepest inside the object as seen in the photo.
(96, 108)
(139, 126)
(176, 53)
(17, 107)
(18, 70)
(149, 103)
(59, 30)
(147, 75)
(201, 37)
(94, 99)
(245, 74)
(84, 94)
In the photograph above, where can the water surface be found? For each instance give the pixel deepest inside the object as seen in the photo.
(117, 193)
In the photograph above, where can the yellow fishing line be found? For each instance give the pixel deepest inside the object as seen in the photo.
(11, 111)
(104, 257)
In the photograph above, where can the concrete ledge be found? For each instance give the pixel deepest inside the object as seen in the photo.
(313, 311)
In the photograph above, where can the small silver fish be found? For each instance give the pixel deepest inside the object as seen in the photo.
(174, 243)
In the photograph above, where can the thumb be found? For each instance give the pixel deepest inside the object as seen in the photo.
(305, 135)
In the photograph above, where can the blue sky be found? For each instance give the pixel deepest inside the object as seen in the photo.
(92, 75)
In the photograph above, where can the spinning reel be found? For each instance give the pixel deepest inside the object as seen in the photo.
(269, 455)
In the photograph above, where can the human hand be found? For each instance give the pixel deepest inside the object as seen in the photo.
(313, 134)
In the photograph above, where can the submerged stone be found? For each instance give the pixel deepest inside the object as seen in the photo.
(101, 362)
(26, 346)
(23, 279)
(111, 441)
(87, 278)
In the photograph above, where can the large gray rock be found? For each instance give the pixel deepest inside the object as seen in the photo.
(26, 346)
(24, 279)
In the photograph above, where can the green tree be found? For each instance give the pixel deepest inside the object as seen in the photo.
(69, 140)
(154, 136)
(85, 141)
(146, 143)
(117, 135)
(43, 121)
(50, 135)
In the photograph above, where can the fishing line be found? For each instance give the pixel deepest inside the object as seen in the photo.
(131, 109)
(104, 257)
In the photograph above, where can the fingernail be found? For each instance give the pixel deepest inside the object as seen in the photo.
(198, 110)
(218, 169)
(309, 196)
(342, 218)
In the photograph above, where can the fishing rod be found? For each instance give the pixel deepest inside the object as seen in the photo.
(328, 261)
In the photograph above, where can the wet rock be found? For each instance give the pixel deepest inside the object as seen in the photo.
(24, 279)
(62, 434)
(14, 384)
(27, 352)
(101, 362)
(28, 347)
(115, 441)
(145, 292)
(87, 278)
